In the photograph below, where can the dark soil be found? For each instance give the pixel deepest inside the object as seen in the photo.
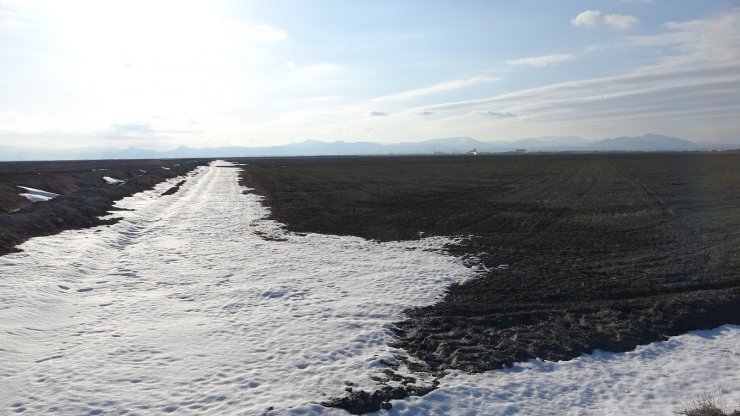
(359, 401)
(604, 251)
(174, 189)
(85, 195)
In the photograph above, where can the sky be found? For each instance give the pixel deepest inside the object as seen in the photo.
(159, 74)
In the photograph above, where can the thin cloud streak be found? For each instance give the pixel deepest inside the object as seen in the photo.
(438, 88)
(542, 60)
(600, 89)
(496, 114)
(715, 94)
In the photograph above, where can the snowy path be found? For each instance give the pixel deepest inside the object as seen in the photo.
(183, 308)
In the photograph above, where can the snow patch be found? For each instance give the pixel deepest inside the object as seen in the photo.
(113, 181)
(37, 195)
(654, 379)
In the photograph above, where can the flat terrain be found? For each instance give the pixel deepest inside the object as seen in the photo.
(85, 195)
(579, 251)
(194, 302)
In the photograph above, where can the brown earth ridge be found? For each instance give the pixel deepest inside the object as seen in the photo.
(582, 252)
(85, 195)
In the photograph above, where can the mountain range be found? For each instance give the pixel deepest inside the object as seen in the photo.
(452, 145)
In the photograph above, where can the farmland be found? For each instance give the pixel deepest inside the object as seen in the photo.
(579, 251)
(190, 299)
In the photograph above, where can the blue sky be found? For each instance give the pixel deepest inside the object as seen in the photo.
(157, 74)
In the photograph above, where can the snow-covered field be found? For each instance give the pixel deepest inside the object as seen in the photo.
(194, 304)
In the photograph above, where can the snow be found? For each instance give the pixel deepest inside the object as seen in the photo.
(113, 181)
(654, 379)
(185, 305)
(195, 304)
(37, 195)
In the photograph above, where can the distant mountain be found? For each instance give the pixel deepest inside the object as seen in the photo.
(551, 143)
(450, 145)
(648, 142)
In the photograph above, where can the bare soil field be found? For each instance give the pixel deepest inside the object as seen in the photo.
(581, 252)
(85, 195)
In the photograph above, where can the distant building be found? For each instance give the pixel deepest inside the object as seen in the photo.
(473, 152)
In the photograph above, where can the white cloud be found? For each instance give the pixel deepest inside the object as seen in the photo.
(620, 21)
(700, 79)
(706, 42)
(377, 113)
(587, 18)
(541, 60)
(437, 88)
(592, 18)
